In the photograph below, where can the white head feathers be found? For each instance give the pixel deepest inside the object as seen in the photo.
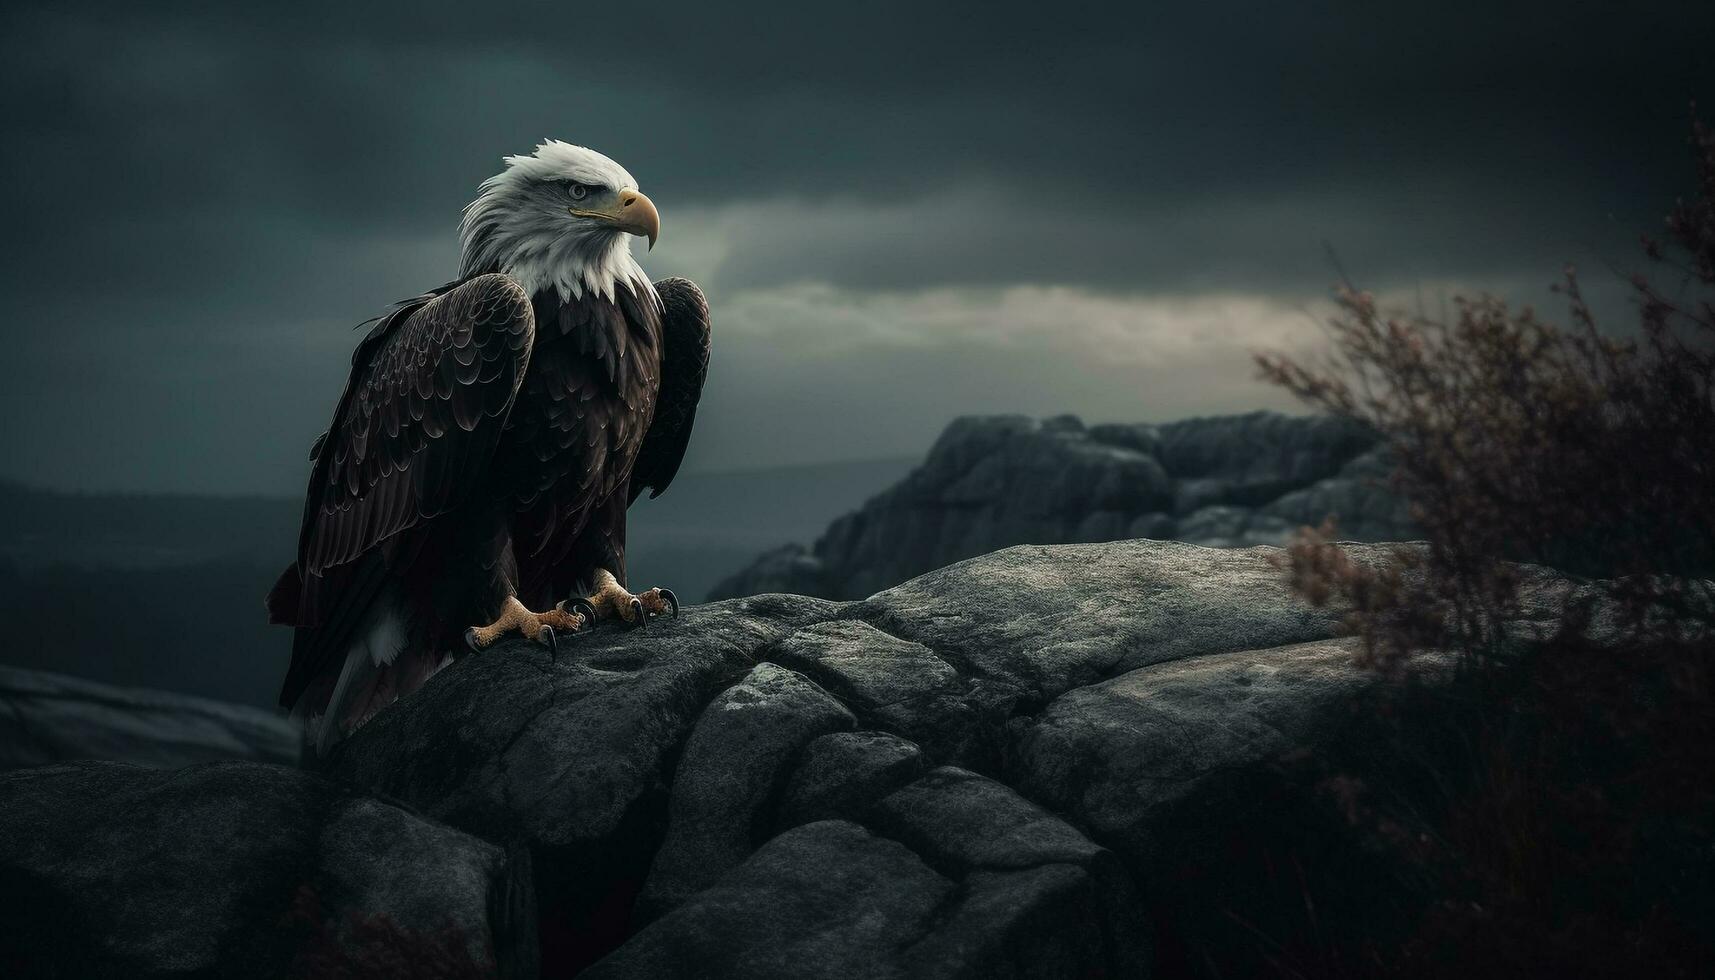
(520, 224)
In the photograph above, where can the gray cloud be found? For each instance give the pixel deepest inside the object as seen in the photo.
(204, 197)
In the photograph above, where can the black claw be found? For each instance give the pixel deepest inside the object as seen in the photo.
(638, 617)
(583, 608)
(470, 640)
(672, 602)
(553, 642)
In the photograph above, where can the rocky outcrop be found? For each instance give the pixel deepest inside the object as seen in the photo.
(47, 717)
(974, 774)
(1068, 760)
(245, 870)
(992, 482)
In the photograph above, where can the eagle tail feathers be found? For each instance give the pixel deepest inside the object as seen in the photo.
(387, 660)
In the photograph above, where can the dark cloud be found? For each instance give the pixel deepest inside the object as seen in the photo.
(201, 197)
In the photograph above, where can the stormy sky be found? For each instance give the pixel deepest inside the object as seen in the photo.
(900, 212)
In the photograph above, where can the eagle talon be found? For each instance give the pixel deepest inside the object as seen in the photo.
(470, 640)
(583, 608)
(552, 641)
(611, 601)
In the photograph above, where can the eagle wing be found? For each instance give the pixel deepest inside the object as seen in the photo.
(416, 428)
(684, 366)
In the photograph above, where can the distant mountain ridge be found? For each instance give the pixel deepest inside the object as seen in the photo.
(991, 482)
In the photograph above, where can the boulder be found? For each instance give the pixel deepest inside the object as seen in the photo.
(1018, 862)
(892, 684)
(245, 870)
(570, 760)
(842, 774)
(959, 878)
(1119, 756)
(1043, 620)
(828, 899)
(735, 765)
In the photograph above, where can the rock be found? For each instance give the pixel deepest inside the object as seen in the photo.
(1014, 854)
(1215, 526)
(1044, 620)
(985, 885)
(1359, 494)
(844, 773)
(827, 898)
(735, 764)
(1039, 922)
(239, 869)
(1066, 760)
(47, 717)
(570, 760)
(960, 820)
(984, 765)
(1248, 460)
(1120, 754)
(992, 482)
(891, 684)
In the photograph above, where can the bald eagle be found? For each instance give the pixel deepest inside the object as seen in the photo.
(491, 436)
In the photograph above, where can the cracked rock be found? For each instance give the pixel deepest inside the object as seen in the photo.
(892, 684)
(827, 899)
(735, 765)
(844, 773)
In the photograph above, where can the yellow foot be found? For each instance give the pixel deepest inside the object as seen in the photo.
(536, 626)
(612, 601)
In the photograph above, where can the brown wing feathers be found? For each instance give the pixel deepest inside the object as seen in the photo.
(684, 366)
(414, 431)
(407, 439)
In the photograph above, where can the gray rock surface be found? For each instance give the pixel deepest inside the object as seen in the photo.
(1120, 754)
(992, 482)
(244, 870)
(977, 764)
(843, 774)
(893, 684)
(1068, 760)
(828, 899)
(47, 717)
(735, 764)
(1018, 863)
(570, 760)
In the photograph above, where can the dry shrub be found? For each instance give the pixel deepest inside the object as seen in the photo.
(1579, 839)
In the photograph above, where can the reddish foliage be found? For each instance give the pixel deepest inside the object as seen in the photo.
(1578, 841)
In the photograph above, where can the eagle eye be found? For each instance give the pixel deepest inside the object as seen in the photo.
(579, 191)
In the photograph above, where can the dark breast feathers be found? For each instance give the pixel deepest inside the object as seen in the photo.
(579, 422)
(472, 404)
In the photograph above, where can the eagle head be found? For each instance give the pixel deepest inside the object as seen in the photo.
(558, 219)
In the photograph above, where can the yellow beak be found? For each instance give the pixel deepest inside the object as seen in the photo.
(635, 214)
